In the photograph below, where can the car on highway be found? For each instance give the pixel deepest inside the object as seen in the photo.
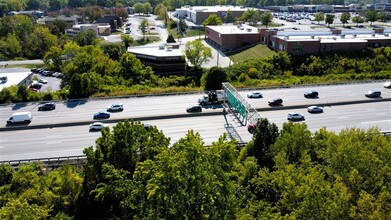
(315, 109)
(311, 94)
(43, 81)
(275, 102)
(46, 106)
(99, 115)
(115, 107)
(373, 94)
(254, 95)
(98, 126)
(293, 116)
(387, 85)
(194, 108)
(251, 127)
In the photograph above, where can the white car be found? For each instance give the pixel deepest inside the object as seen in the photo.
(254, 95)
(387, 85)
(315, 109)
(115, 107)
(295, 116)
(43, 81)
(98, 126)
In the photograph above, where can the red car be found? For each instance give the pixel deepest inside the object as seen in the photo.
(251, 127)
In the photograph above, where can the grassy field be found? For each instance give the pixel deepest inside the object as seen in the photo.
(258, 51)
(189, 33)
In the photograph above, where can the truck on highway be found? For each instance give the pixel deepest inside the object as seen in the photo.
(20, 117)
(213, 97)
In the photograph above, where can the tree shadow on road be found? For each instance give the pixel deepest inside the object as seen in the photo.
(19, 105)
(75, 103)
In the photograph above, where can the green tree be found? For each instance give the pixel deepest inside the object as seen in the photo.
(144, 26)
(10, 47)
(319, 17)
(138, 7)
(53, 59)
(213, 19)
(251, 15)
(264, 136)
(197, 53)
(132, 69)
(371, 16)
(21, 209)
(266, 18)
(229, 18)
(86, 38)
(39, 42)
(127, 40)
(147, 8)
(213, 78)
(22, 93)
(57, 27)
(329, 19)
(170, 39)
(358, 19)
(345, 18)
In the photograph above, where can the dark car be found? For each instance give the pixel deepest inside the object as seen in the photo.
(36, 85)
(195, 108)
(275, 102)
(311, 94)
(99, 115)
(373, 94)
(47, 106)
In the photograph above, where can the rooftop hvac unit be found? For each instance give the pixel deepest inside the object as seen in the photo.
(249, 29)
(168, 48)
(342, 36)
(354, 35)
(319, 38)
(386, 35)
(312, 37)
(334, 38)
(286, 37)
(373, 35)
(161, 47)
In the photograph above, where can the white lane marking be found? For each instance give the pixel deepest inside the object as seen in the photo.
(54, 142)
(342, 117)
(370, 122)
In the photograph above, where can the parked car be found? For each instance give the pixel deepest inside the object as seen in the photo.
(295, 116)
(43, 81)
(254, 95)
(99, 115)
(115, 107)
(311, 94)
(195, 108)
(373, 94)
(315, 109)
(387, 85)
(36, 85)
(275, 102)
(47, 106)
(251, 127)
(98, 126)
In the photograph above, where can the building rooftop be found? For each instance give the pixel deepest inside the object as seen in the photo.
(61, 17)
(13, 77)
(234, 29)
(216, 8)
(325, 37)
(156, 51)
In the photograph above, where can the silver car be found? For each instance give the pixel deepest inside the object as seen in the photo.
(98, 126)
(292, 116)
(315, 109)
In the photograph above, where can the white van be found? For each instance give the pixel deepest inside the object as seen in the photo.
(20, 117)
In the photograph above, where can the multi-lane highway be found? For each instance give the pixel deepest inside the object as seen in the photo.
(163, 105)
(68, 141)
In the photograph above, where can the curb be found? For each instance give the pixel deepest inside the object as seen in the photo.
(160, 117)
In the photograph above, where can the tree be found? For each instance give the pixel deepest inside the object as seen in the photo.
(358, 19)
(371, 16)
(345, 18)
(147, 8)
(329, 19)
(212, 79)
(133, 69)
(22, 93)
(57, 27)
(39, 42)
(213, 19)
(127, 40)
(52, 58)
(251, 15)
(10, 47)
(138, 7)
(229, 18)
(266, 18)
(144, 27)
(170, 39)
(197, 53)
(264, 136)
(319, 17)
(86, 38)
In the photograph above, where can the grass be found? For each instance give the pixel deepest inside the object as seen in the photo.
(256, 52)
(148, 40)
(189, 33)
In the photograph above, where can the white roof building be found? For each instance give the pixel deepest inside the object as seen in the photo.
(14, 76)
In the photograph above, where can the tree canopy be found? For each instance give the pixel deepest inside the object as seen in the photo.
(197, 53)
(213, 19)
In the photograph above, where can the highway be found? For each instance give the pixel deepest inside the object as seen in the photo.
(70, 141)
(147, 106)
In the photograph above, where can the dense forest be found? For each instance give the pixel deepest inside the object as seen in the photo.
(136, 173)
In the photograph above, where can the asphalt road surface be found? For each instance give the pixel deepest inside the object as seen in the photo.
(70, 141)
(83, 110)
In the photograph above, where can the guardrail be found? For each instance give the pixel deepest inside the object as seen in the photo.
(49, 162)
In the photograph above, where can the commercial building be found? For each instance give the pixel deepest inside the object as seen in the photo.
(14, 76)
(113, 21)
(198, 14)
(298, 43)
(81, 28)
(231, 37)
(164, 60)
(70, 20)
